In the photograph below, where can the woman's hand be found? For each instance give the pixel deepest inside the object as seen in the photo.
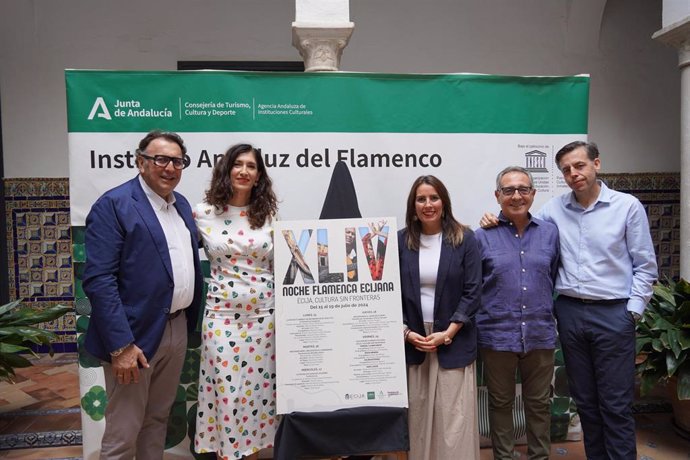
(434, 340)
(437, 338)
(420, 342)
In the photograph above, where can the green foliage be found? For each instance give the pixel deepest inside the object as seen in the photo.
(663, 338)
(17, 330)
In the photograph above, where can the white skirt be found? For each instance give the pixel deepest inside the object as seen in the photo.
(443, 410)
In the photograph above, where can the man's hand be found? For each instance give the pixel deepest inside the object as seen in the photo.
(125, 365)
(488, 220)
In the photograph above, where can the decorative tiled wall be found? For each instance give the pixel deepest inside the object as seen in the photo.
(39, 246)
(660, 195)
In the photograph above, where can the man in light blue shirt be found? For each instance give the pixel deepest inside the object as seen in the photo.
(604, 282)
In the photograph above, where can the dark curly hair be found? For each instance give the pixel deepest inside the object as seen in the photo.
(263, 203)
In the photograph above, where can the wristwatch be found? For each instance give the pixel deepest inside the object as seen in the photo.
(447, 340)
(636, 316)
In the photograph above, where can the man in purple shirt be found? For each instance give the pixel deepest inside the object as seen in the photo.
(516, 327)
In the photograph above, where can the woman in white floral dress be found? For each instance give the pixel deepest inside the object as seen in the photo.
(236, 416)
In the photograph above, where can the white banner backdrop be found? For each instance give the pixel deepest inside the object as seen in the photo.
(388, 129)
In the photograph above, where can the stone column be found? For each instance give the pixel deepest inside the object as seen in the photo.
(678, 36)
(321, 31)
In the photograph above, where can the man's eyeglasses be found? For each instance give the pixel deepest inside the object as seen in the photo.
(510, 191)
(162, 161)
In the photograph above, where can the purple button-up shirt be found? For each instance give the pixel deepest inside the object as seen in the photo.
(518, 283)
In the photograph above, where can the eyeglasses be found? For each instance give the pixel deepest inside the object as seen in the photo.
(162, 161)
(510, 191)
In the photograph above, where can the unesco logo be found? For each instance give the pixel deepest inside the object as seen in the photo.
(354, 396)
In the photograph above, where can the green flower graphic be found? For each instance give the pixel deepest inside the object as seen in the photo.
(94, 402)
(192, 392)
(190, 371)
(86, 359)
(82, 323)
(177, 425)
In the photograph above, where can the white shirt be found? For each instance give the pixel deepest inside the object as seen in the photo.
(429, 256)
(179, 246)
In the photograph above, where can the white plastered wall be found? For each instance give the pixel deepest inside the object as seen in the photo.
(634, 87)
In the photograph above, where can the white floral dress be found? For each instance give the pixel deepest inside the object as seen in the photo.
(237, 412)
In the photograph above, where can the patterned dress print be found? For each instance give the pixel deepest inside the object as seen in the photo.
(237, 412)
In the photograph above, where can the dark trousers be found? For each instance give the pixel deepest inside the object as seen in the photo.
(598, 343)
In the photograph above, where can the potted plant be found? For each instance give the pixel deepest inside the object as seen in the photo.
(663, 344)
(18, 329)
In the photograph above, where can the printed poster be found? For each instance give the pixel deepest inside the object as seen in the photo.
(339, 340)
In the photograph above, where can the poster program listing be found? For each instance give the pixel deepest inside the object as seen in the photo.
(371, 365)
(233, 108)
(367, 327)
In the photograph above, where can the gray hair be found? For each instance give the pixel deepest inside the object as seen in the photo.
(510, 169)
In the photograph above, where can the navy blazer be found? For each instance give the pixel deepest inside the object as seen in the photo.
(128, 274)
(457, 299)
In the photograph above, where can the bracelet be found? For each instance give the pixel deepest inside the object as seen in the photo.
(406, 333)
(119, 351)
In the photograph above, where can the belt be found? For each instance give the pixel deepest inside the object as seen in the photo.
(593, 301)
(175, 315)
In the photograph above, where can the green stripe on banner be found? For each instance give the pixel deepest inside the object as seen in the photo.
(212, 101)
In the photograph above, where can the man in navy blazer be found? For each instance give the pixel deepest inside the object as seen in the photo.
(144, 282)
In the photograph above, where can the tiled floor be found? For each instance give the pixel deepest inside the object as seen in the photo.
(45, 399)
(656, 440)
(42, 406)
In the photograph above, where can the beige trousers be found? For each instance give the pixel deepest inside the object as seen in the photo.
(136, 418)
(443, 411)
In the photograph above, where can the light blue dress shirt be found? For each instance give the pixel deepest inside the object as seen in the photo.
(606, 249)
